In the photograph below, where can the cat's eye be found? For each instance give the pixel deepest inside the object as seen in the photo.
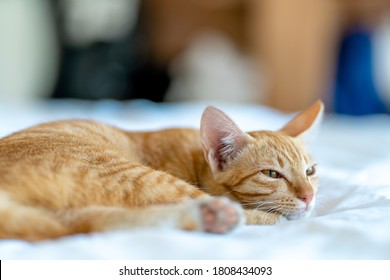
(272, 174)
(311, 171)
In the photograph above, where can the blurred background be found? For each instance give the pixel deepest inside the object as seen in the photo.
(280, 53)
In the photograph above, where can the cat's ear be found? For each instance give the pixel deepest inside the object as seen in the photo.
(306, 122)
(222, 139)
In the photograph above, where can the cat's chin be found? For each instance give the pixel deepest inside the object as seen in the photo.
(297, 216)
(291, 217)
(300, 215)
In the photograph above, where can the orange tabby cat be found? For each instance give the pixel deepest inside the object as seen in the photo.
(70, 177)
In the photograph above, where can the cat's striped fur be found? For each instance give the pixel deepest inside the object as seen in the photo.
(72, 177)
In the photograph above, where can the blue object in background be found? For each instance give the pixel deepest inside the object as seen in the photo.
(355, 91)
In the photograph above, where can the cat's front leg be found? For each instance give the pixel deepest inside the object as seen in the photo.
(258, 217)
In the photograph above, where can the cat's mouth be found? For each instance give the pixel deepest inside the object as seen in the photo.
(304, 213)
(297, 211)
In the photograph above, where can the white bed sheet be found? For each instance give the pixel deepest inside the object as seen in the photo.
(352, 217)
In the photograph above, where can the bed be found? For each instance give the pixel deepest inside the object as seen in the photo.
(351, 219)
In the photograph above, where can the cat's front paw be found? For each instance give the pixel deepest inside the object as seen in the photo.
(219, 214)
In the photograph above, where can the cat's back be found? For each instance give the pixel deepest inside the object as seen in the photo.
(67, 129)
(58, 137)
(49, 162)
(46, 161)
(50, 129)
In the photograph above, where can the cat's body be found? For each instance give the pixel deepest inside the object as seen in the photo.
(72, 177)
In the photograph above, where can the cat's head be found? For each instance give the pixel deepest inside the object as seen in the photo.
(269, 171)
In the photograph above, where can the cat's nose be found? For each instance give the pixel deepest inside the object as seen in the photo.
(306, 197)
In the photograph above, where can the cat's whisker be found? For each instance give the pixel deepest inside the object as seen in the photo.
(260, 202)
(268, 214)
(263, 205)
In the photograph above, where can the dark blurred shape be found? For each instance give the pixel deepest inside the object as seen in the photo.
(98, 65)
(355, 91)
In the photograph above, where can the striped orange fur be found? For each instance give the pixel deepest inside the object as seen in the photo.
(79, 176)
